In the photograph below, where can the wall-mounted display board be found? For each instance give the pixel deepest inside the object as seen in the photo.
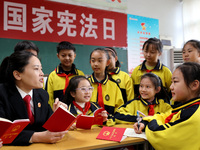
(139, 30)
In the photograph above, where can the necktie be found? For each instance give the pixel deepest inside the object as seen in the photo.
(151, 109)
(66, 79)
(100, 97)
(87, 107)
(27, 99)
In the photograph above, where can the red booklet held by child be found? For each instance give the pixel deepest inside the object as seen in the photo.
(86, 122)
(112, 134)
(10, 130)
(62, 119)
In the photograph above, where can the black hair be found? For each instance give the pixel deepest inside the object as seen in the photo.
(26, 45)
(65, 45)
(191, 72)
(156, 43)
(157, 82)
(3, 69)
(114, 53)
(101, 49)
(104, 51)
(194, 43)
(73, 84)
(16, 61)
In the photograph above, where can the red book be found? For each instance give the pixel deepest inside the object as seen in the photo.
(86, 122)
(10, 130)
(60, 120)
(112, 134)
(98, 119)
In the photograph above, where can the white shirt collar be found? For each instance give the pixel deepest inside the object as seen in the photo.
(23, 94)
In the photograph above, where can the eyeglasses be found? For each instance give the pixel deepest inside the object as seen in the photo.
(86, 89)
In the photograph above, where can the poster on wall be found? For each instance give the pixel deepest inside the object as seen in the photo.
(54, 22)
(139, 30)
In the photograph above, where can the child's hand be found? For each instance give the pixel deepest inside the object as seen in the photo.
(57, 103)
(73, 127)
(104, 115)
(135, 127)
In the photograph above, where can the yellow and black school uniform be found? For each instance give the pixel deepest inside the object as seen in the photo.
(160, 70)
(108, 93)
(127, 113)
(177, 129)
(58, 81)
(125, 83)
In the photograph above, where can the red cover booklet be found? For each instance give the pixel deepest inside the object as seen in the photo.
(62, 119)
(86, 122)
(10, 130)
(112, 134)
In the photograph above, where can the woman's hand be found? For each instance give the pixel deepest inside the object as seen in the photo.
(47, 137)
(141, 127)
(1, 143)
(57, 103)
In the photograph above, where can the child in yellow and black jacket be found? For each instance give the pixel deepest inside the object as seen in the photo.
(152, 49)
(58, 79)
(121, 77)
(178, 128)
(150, 101)
(77, 97)
(106, 92)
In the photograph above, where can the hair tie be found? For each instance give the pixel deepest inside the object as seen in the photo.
(109, 49)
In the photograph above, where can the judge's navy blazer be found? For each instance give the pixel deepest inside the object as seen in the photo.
(13, 107)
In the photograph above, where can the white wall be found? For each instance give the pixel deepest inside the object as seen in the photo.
(169, 13)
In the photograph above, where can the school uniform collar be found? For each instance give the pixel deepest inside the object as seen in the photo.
(158, 66)
(94, 80)
(60, 70)
(146, 103)
(72, 109)
(181, 106)
(116, 71)
(93, 107)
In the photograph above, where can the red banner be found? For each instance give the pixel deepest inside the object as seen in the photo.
(55, 22)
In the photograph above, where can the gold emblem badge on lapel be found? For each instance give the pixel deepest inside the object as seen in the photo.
(39, 104)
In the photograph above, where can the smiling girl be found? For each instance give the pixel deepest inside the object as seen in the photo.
(106, 92)
(77, 97)
(149, 102)
(179, 128)
(152, 49)
(191, 51)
